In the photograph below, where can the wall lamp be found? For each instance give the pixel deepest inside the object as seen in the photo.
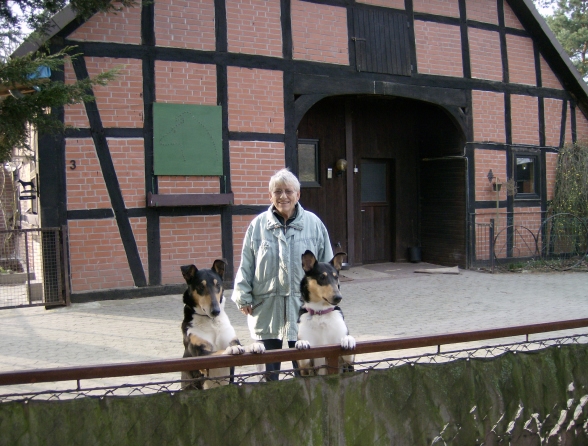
(341, 167)
(495, 185)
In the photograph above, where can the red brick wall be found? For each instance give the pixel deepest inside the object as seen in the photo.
(448, 8)
(482, 11)
(254, 27)
(240, 224)
(319, 33)
(256, 100)
(548, 78)
(521, 60)
(74, 115)
(550, 167)
(510, 19)
(122, 27)
(525, 119)
(485, 56)
(97, 256)
(252, 165)
(188, 240)
(527, 222)
(552, 121)
(488, 111)
(188, 185)
(438, 48)
(185, 83)
(179, 24)
(396, 4)
(128, 156)
(121, 101)
(85, 184)
(484, 160)
(581, 126)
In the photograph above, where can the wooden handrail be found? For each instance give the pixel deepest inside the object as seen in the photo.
(329, 351)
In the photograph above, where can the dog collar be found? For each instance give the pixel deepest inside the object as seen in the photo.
(318, 313)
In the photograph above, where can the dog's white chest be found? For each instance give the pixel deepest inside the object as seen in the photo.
(218, 331)
(322, 329)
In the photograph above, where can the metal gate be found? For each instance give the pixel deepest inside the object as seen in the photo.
(33, 267)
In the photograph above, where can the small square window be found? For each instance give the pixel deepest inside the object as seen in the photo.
(308, 162)
(526, 176)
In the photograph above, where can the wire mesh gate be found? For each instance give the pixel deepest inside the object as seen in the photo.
(32, 268)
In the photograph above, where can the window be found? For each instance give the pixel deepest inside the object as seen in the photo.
(526, 176)
(308, 164)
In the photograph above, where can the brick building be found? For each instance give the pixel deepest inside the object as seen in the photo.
(429, 102)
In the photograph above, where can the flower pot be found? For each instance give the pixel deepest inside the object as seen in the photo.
(414, 254)
(496, 186)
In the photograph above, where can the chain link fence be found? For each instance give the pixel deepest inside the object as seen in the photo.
(32, 268)
(171, 383)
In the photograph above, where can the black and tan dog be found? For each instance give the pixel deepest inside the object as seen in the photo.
(206, 327)
(320, 321)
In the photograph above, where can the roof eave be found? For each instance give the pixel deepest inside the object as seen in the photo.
(56, 24)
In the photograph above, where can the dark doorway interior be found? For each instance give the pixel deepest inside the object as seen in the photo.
(373, 210)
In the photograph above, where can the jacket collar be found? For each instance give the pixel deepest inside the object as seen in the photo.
(273, 223)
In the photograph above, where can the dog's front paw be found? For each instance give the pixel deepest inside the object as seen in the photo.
(348, 342)
(302, 345)
(256, 347)
(234, 350)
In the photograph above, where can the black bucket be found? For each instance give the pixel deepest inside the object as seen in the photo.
(414, 254)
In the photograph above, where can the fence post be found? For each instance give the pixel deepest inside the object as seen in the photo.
(491, 245)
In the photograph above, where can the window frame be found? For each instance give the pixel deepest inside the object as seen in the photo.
(314, 142)
(536, 175)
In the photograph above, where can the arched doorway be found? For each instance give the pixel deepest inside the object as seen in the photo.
(382, 204)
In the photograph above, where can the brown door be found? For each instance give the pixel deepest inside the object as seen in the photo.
(377, 227)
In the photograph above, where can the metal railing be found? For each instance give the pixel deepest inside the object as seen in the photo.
(558, 242)
(330, 352)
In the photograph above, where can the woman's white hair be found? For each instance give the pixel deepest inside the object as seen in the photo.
(284, 177)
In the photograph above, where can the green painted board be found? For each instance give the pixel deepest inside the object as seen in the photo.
(187, 139)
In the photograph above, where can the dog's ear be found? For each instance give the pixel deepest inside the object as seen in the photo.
(188, 271)
(337, 261)
(219, 267)
(308, 261)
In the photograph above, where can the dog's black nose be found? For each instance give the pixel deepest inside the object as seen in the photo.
(337, 299)
(215, 312)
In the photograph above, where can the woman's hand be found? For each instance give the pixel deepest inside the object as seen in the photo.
(247, 310)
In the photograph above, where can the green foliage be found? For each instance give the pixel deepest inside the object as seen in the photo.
(569, 23)
(571, 181)
(17, 113)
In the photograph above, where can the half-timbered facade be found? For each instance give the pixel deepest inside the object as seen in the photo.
(394, 114)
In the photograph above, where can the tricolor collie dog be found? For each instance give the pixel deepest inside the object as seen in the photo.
(206, 327)
(320, 321)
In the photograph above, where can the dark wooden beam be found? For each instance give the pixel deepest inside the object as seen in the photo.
(175, 200)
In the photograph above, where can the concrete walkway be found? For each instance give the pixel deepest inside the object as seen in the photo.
(380, 302)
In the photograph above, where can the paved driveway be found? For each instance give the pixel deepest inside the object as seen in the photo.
(380, 301)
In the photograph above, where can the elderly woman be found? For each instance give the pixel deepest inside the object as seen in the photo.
(267, 285)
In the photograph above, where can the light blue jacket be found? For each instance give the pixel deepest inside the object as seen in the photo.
(271, 270)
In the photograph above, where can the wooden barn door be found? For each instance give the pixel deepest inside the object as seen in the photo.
(377, 227)
(443, 211)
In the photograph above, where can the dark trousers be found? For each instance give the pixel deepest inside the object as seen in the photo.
(273, 368)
